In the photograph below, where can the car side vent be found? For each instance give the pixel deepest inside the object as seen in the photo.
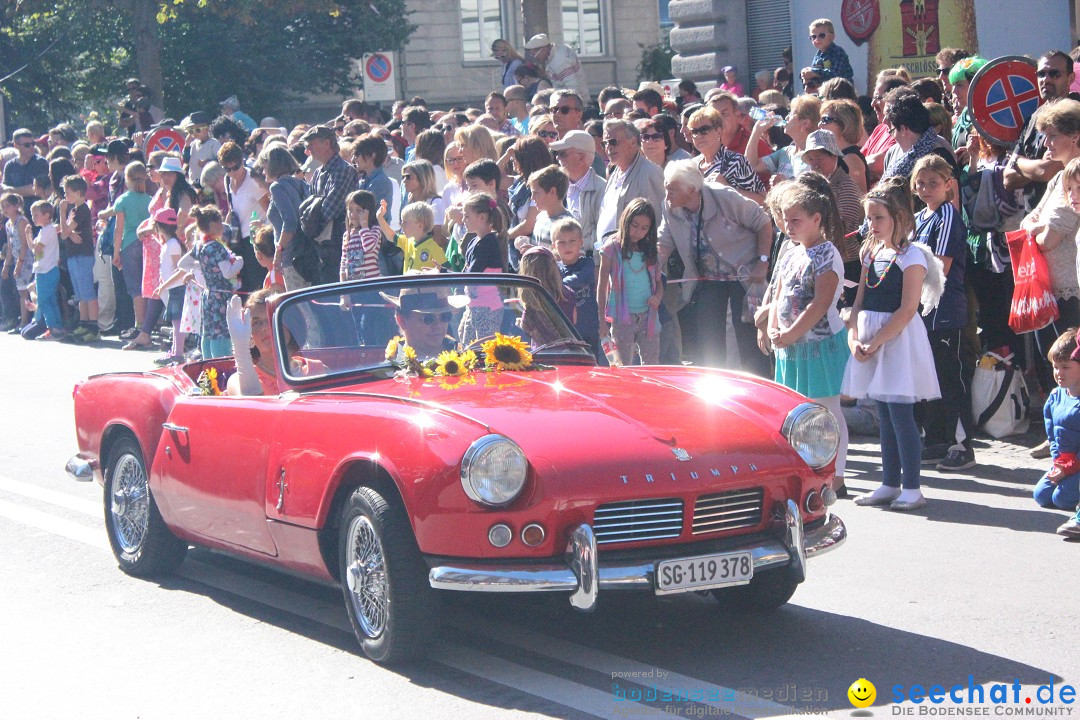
(635, 520)
(728, 511)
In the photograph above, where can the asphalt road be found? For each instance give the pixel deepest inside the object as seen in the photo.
(977, 584)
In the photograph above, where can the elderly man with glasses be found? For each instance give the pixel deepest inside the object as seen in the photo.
(575, 154)
(632, 176)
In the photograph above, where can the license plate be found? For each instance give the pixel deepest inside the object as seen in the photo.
(706, 571)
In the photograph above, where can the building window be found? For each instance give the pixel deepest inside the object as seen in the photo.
(481, 25)
(582, 22)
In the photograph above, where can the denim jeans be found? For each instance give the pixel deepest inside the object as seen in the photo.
(1064, 495)
(901, 446)
(48, 301)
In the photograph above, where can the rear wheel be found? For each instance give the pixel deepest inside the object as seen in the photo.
(390, 602)
(141, 542)
(766, 592)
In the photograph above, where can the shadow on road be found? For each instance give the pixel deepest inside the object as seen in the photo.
(801, 657)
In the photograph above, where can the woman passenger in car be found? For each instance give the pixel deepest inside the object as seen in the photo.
(253, 345)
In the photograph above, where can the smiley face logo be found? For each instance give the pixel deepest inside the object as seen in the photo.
(862, 693)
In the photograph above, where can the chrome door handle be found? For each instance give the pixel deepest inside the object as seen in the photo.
(174, 427)
(281, 487)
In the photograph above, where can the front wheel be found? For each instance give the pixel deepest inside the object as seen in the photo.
(140, 540)
(766, 592)
(390, 602)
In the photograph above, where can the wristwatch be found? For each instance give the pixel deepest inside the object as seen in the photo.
(763, 258)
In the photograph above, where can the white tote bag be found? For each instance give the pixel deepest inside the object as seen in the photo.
(999, 398)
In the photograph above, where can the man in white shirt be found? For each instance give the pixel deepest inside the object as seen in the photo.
(560, 62)
(575, 155)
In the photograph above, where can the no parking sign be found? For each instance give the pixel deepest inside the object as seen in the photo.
(1003, 95)
(380, 76)
(165, 139)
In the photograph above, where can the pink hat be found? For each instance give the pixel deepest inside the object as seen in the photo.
(165, 216)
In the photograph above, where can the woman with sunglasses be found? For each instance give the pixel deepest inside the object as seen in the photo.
(543, 127)
(717, 163)
(655, 144)
(843, 119)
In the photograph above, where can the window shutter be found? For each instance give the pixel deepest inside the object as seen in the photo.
(768, 29)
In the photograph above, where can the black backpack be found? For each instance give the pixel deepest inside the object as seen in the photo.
(305, 255)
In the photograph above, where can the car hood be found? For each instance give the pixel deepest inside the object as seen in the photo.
(619, 422)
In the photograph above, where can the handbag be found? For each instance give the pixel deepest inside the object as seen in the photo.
(106, 244)
(999, 397)
(1033, 303)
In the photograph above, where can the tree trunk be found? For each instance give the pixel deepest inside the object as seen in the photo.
(534, 17)
(148, 47)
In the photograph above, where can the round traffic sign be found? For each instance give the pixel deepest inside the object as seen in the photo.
(378, 67)
(1003, 95)
(166, 139)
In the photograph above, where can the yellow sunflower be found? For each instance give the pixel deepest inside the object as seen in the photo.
(450, 364)
(410, 354)
(507, 353)
(392, 347)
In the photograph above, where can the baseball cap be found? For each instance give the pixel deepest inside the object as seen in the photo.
(537, 41)
(575, 140)
(118, 147)
(165, 216)
(727, 68)
(822, 140)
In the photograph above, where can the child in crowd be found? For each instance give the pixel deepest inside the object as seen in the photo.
(18, 255)
(483, 254)
(171, 290)
(263, 242)
(219, 267)
(415, 239)
(889, 345)
(731, 81)
(46, 248)
(77, 234)
(483, 177)
(630, 288)
(360, 246)
(948, 423)
(579, 276)
(548, 186)
(540, 264)
(1060, 487)
(805, 328)
(830, 60)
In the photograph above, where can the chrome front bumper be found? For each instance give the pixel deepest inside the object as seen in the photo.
(582, 575)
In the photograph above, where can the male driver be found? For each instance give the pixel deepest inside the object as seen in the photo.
(575, 154)
(632, 176)
(560, 63)
(423, 315)
(333, 182)
(1027, 167)
(517, 108)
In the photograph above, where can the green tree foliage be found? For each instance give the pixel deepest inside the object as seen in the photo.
(270, 53)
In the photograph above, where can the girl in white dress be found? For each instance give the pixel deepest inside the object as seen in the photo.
(891, 361)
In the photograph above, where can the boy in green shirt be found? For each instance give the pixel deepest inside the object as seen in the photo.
(416, 239)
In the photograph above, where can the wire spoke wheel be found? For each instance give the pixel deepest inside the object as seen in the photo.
(366, 576)
(130, 504)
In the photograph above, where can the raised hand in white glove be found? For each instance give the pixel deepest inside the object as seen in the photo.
(239, 322)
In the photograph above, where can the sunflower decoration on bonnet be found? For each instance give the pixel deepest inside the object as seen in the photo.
(505, 352)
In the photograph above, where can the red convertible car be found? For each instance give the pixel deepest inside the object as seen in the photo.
(417, 435)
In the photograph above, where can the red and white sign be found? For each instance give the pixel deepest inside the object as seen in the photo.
(380, 76)
(1003, 95)
(165, 139)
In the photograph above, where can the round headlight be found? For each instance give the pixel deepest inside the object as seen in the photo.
(812, 431)
(493, 470)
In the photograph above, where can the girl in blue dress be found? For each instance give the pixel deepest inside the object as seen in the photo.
(219, 267)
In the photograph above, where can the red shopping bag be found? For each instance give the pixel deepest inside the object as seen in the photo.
(1033, 303)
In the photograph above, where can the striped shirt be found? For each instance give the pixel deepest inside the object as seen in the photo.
(736, 170)
(360, 254)
(944, 232)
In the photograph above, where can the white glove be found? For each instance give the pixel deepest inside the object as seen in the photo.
(239, 322)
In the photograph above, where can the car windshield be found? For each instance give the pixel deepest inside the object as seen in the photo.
(349, 327)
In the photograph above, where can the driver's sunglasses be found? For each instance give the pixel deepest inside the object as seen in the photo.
(430, 319)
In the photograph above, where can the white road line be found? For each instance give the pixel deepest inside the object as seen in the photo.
(488, 667)
(550, 687)
(93, 537)
(52, 497)
(678, 685)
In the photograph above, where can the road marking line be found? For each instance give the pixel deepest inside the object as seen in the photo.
(473, 662)
(52, 497)
(57, 526)
(539, 684)
(600, 661)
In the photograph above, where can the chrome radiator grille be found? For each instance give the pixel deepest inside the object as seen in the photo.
(728, 511)
(634, 520)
